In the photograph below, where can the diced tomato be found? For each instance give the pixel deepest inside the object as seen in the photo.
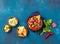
(35, 21)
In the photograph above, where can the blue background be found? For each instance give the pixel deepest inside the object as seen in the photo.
(22, 9)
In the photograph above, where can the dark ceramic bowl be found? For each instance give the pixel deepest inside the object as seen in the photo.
(41, 23)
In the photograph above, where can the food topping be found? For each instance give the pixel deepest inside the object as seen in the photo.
(13, 21)
(7, 28)
(22, 31)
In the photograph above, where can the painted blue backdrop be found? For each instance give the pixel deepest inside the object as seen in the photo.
(22, 9)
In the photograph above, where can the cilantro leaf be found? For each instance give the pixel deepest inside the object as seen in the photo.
(47, 24)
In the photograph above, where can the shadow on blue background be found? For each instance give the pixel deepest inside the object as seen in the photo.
(22, 9)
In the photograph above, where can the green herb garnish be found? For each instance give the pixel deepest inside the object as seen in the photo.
(47, 24)
(7, 28)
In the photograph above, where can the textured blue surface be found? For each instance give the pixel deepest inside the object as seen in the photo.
(49, 9)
